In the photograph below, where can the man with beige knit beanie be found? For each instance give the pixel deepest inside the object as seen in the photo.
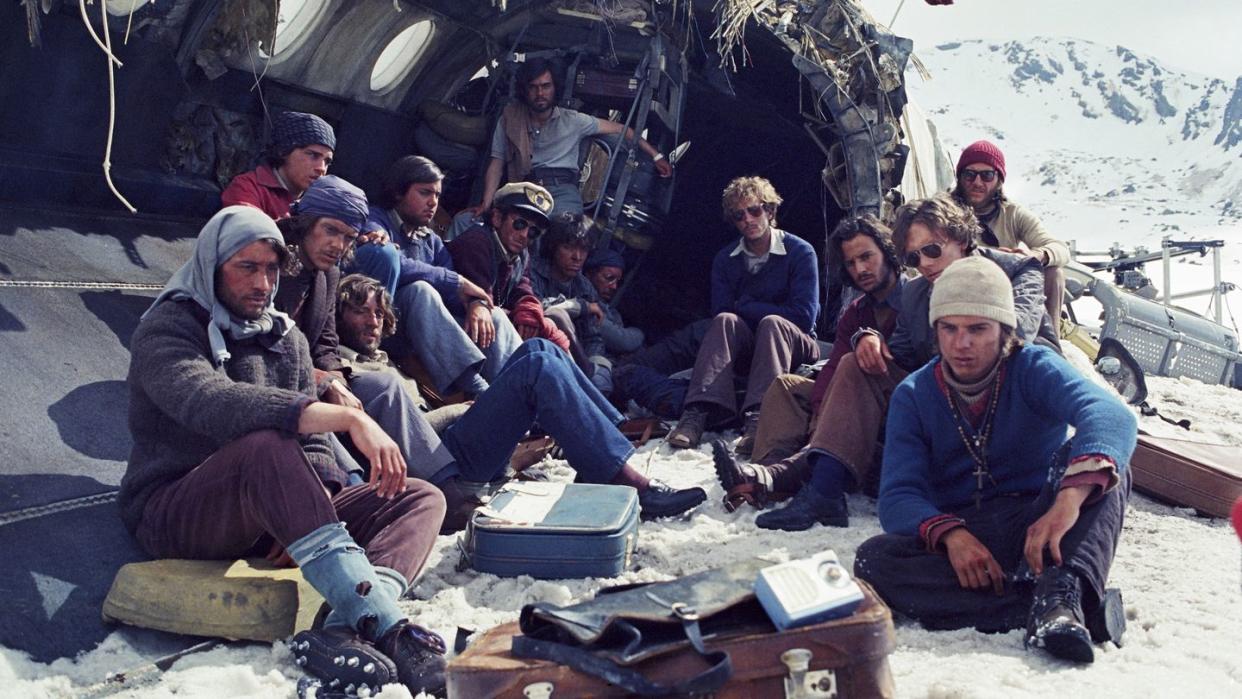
(993, 520)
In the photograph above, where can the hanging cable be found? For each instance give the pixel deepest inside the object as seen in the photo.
(106, 45)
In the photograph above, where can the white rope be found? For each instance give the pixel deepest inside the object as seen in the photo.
(117, 286)
(106, 45)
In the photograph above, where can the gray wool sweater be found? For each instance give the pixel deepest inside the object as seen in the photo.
(182, 409)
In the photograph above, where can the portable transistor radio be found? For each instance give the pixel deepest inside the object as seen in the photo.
(807, 591)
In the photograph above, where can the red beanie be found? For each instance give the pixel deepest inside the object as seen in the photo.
(982, 152)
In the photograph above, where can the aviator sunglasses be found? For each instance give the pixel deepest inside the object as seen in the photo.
(755, 211)
(521, 224)
(931, 251)
(985, 175)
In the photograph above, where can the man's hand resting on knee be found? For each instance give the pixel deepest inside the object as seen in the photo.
(387, 465)
(972, 561)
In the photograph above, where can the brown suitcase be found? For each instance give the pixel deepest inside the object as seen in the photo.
(848, 658)
(1207, 477)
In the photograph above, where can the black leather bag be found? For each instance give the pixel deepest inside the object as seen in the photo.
(622, 627)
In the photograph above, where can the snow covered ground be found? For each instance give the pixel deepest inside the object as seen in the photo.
(1097, 171)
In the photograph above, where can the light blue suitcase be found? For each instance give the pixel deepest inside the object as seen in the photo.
(553, 530)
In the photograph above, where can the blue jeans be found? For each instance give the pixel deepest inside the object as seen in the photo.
(432, 334)
(539, 384)
(379, 262)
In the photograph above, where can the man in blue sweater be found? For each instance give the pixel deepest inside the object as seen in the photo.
(765, 299)
(993, 519)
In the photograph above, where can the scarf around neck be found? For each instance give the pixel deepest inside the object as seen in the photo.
(230, 230)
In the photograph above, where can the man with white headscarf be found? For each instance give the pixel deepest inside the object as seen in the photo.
(230, 459)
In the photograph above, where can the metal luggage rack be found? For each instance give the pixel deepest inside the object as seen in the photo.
(1164, 339)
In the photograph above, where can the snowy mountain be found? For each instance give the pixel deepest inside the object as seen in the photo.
(1103, 143)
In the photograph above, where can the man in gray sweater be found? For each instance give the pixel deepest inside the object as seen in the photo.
(230, 459)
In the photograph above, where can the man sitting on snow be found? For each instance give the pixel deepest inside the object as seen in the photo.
(980, 493)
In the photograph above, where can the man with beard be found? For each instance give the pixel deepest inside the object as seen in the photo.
(993, 519)
(540, 383)
(861, 251)
(448, 323)
(1007, 226)
(932, 234)
(537, 141)
(229, 459)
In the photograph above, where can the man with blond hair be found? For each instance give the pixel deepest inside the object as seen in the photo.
(765, 299)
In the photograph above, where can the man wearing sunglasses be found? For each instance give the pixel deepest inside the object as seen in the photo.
(493, 255)
(765, 298)
(931, 234)
(1007, 226)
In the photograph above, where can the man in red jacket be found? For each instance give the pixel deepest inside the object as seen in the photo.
(299, 151)
(493, 255)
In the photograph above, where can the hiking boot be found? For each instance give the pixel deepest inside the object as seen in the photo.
(743, 483)
(750, 427)
(1107, 622)
(1056, 622)
(340, 659)
(689, 430)
(459, 504)
(418, 655)
(660, 500)
(805, 510)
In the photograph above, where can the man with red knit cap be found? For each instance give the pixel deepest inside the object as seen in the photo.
(980, 176)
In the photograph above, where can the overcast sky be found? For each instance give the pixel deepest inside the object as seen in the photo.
(1204, 36)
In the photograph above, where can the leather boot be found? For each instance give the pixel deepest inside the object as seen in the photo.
(459, 504)
(805, 510)
(750, 427)
(690, 428)
(418, 655)
(1056, 621)
(340, 659)
(660, 500)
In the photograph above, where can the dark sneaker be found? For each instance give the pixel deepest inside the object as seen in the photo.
(689, 430)
(805, 510)
(418, 655)
(750, 427)
(1108, 621)
(743, 483)
(459, 503)
(1056, 622)
(341, 660)
(659, 500)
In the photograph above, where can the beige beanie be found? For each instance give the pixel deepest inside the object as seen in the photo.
(973, 286)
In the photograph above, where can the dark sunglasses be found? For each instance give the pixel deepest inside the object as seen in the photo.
(755, 211)
(521, 224)
(985, 175)
(931, 251)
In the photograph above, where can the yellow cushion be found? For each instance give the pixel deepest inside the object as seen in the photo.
(246, 599)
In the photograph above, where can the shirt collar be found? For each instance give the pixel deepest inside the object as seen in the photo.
(777, 247)
(270, 177)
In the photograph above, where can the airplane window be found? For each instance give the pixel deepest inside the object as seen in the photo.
(292, 24)
(120, 8)
(400, 55)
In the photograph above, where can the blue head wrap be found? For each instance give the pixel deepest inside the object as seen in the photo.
(333, 197)
(604, 257)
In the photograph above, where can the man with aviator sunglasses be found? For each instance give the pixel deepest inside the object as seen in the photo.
(1007, 226)
(765, 298)
(493, 254)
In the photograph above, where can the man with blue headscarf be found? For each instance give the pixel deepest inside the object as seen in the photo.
(230, 459)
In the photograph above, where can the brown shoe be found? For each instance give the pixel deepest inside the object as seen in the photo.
(689, 430)
(418, 655)
(750, 427)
